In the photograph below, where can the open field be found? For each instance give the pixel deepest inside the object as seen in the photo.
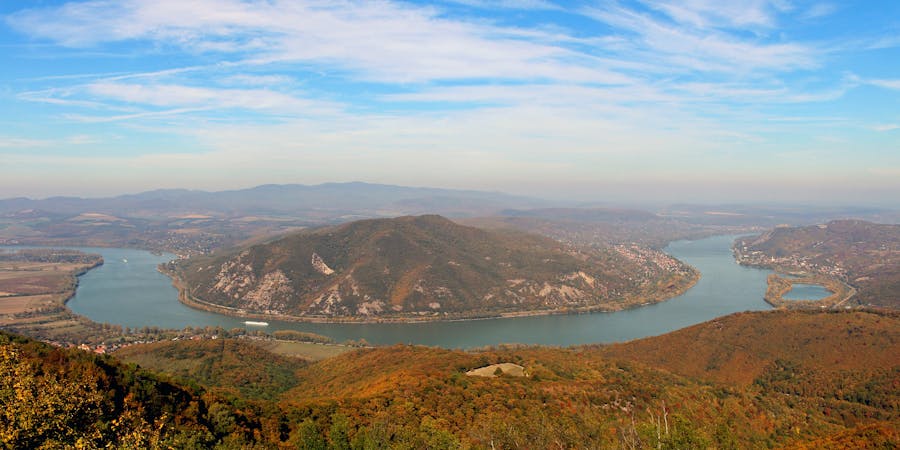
(29, 286)
(27, 303)
(36, 285)
(305, 350)
(32, 278)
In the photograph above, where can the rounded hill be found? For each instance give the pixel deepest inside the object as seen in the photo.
(420, 267)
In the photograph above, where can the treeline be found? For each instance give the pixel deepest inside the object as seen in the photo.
(301, 336)
(53, 256)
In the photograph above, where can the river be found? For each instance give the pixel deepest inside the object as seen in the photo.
(129, 291)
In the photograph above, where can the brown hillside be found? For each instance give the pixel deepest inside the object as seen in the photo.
(739, 348)
(781, 379)
(425, 267)
(420, 397)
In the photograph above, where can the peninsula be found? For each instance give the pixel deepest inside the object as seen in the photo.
(421, 268)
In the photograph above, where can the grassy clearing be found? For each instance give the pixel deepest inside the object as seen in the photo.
(305, 350)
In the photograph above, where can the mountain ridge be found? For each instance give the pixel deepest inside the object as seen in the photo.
(423, 267)
(350, 197)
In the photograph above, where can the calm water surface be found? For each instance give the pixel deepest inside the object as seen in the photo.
(802, 291)
(134, 294)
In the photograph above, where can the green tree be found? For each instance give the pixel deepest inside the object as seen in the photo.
(307, 437)
(339, 434)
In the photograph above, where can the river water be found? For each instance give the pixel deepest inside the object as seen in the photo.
(129, 291)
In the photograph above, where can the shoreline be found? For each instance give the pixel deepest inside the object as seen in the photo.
(77, 280)
(781, 282)
(193, 302)
(783, 277)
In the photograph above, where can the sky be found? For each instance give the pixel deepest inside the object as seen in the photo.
(648, 100)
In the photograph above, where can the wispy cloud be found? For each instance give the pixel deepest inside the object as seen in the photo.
(700, 47)
(613, 89)
(820, 10)
(257, 80)
(887, 84)
(168, 95)
(123, 117)
(719, 14)
(18, 143)
(376, 40)
(509, 4)
(886, 127)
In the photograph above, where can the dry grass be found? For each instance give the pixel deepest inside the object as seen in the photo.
(35, 278)
(305, 350)
(40, 286)
(15, 305)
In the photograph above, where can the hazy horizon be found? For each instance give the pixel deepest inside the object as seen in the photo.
(633, 102)
(598, 201)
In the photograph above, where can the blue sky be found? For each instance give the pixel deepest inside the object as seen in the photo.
(657, 100)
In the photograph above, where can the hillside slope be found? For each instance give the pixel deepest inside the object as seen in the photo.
(817, 380)
(424, 267)
(752, 380)
(55, 398)
(739, 348)
(240, 367)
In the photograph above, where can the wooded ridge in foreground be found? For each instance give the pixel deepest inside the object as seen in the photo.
(751, 380)
(425, 267)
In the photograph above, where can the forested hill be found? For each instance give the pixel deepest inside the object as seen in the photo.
(56, 398)
(805, 386)
(741, 348)
(427, 267)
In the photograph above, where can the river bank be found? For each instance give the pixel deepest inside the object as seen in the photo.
(137, 295)
(37, 289)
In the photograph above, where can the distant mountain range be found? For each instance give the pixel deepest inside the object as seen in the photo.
(329, 200)
(427, 267)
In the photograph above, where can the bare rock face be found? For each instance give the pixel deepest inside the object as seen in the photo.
(320, 265)
(235, 277)
(237, 280)
(271, 294)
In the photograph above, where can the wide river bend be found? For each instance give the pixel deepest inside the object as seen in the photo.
(129, 291)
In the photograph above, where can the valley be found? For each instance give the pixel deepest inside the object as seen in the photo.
(449, 225)
(684, 368)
